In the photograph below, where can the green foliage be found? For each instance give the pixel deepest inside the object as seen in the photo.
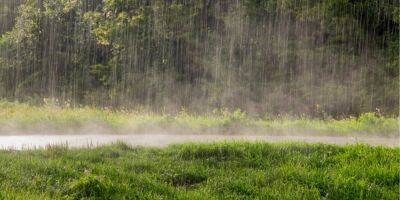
(370, 119)
(120, 16)
(275, 56)
(101, 73)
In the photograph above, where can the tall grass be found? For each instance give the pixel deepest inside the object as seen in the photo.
(202, 171)
(23, 118)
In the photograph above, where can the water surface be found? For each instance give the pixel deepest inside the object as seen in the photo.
(162, 140)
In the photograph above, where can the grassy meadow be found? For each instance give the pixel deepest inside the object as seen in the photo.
(224, 170)
(202, 171)
(24, 118)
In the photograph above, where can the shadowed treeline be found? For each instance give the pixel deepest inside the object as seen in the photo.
(335, 58)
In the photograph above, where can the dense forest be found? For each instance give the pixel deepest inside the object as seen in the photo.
(315, 57)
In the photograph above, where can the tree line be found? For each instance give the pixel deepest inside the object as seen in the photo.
(315, 57)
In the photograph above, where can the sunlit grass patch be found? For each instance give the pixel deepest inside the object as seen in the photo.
(19, 117)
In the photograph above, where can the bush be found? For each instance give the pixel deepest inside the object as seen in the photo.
(370, 119)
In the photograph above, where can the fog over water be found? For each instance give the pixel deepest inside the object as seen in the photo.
(161, 140)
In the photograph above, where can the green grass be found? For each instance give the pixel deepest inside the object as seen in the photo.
(202, 171)
(21, 117)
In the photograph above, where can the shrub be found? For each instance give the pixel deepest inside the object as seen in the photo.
(370, 119)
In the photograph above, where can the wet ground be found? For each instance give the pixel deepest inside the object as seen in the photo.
(161, 140)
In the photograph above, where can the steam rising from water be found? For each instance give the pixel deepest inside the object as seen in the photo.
(162, 140)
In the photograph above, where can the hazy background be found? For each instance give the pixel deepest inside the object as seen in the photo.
(319, 58)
